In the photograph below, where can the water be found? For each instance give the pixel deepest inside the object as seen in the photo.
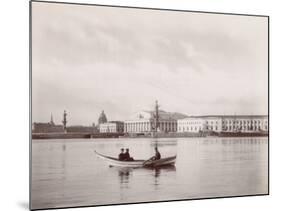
(66, 173)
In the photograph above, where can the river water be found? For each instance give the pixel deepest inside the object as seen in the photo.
(66, 173)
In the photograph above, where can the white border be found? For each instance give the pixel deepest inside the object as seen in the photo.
(14, 82)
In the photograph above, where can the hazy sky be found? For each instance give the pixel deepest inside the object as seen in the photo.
(86, 59)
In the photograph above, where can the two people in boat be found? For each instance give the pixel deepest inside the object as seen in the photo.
(125, 156)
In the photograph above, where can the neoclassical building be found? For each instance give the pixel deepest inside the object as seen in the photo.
(224, 123)
(112, 127)
(145, 122)
(191, 124)
(247, 123)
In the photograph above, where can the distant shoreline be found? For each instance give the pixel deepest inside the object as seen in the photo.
(142, 135)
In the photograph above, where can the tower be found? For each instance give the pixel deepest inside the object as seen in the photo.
(156, 123)
(64, 121)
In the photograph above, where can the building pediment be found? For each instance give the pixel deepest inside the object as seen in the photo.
(150, 115)
(141, 115)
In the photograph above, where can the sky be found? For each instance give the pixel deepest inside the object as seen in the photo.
(86, 59)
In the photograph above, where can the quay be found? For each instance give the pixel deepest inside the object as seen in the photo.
(141, 135)
(75, 135)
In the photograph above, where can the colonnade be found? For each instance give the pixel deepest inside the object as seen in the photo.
(147, 126)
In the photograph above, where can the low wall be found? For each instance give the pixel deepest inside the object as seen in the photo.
(74, 135)
(141, 135)
(59, 135)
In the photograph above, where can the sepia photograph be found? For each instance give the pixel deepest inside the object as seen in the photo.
(138, 105)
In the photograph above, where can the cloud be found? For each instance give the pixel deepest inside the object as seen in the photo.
(87, 59)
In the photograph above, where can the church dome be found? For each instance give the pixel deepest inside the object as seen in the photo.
(102, 118)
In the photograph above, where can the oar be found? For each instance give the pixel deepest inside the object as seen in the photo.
(145, 162)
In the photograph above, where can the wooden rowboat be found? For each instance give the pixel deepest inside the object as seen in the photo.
(111, 161)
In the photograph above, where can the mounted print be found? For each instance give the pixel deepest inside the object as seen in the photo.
(136, 105)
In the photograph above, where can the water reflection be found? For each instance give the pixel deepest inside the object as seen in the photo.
(158, 170)
(67, 173)
(126, 174)
(162, 142)
(164, 170)
(64, 147)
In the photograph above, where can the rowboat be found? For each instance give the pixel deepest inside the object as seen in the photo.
(111, 161)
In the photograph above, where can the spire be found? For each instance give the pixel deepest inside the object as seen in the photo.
(52, 121)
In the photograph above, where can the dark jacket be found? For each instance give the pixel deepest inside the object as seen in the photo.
(126, 156)
(121, 156)
(157, 155)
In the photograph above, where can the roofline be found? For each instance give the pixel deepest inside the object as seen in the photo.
(226, 116)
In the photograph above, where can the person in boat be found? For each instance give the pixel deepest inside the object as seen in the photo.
(157, 155)
(121, 155)
(127, 156)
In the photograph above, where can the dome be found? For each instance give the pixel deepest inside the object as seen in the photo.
(102, 118)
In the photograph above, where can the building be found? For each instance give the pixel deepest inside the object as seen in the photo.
(112, 127)
(81, 129)
(255, 123)
(49, 127)
(224, 123)
(212, 123)
(39, 127)
(145, 122)
(190, 124)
